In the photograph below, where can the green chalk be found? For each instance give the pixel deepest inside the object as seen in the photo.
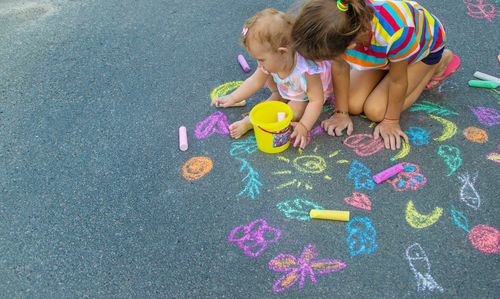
(481, 83)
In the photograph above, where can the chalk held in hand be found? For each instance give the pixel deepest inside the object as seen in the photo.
(486, 77)
(329, 214)
(384, 175)
(243, 63)
(281, 116)
(481, 83)
(183, 142)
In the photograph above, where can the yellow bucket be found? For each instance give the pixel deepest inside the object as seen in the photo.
(272, 136)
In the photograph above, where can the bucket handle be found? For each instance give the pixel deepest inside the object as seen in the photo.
(280, 132)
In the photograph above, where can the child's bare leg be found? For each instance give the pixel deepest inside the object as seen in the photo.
(298, 108)
(362, 84)
(239, 128)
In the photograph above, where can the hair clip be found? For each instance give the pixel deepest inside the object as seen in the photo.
(245, 30)
(341, 6)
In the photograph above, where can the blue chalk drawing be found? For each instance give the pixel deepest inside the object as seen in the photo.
(361, 176)
(418, 135)
(362, 236)
(252, 186)
(460, 219)
(433, 108)
(248, 146)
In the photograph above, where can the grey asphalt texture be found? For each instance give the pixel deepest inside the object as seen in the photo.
(93, 198)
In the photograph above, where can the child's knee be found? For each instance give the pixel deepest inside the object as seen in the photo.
(375, 112)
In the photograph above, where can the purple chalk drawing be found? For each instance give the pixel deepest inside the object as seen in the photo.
(486, 116)
(316, 131)
(215, 123)
(300, 269)
(254, 242)
(410, 178)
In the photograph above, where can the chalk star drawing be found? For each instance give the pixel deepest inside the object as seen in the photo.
(253, 240)
(300, 269)
(421, 268)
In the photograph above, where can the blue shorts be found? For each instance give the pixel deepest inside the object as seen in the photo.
(433, 58)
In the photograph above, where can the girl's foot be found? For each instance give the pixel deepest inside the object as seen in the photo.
(448, 65)
(239, 128)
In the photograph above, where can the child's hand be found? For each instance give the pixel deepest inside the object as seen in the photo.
(391, 133)
(300, 134)
(225, 101)
(337, 123)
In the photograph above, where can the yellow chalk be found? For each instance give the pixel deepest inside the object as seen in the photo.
(329, 214)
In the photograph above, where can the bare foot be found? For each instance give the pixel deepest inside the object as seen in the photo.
(239, 128)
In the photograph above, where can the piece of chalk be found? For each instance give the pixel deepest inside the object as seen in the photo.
(183, 142)
(486, 77)
(281, 116)
(329, 214)
(239, 104)
(384, 175)
(243, 63)
(481, 83)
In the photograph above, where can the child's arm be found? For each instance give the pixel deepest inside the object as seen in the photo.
(312, 111)
(340, 79)
(248, 88)
(389, 128)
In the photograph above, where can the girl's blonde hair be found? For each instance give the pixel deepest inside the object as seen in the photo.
(268, 26)
(322, 31)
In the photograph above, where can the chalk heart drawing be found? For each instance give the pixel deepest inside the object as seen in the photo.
(417, 220)
(476, 135)
(359, 200)
(481, 9)
(362, 236)
(255, 237)
(486, 116)
(409, 178)
(364, 144)
(298, 209)
(215, 123)
(196, 167)
(421, 268)
(299, 269)
(485, 238)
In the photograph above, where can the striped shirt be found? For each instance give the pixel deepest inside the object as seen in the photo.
(401, 30)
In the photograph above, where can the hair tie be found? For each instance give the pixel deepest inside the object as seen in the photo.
(341, 6)
(245, 30)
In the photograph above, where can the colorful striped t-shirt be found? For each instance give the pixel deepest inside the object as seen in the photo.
(400, 30)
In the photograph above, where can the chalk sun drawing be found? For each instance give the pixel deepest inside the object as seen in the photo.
(360, 174)
(255, 237)
(297, 209)
(417, 220)
(430, 107)
(215, 123)
(359, 200)
(418, 135)
(486, 116)
(409, 178)
(196, 167)
(449, 128)
(481, 9)
(249, 146)
(362, 236)
(305, 164)
(421, 268)
(468, 193)
(299, 269)
(252, 178)
(451, 156)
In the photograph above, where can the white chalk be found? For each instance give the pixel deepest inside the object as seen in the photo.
(183, 142)
(486, 77)
(281, 116)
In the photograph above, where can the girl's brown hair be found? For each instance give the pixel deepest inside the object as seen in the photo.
(268, 26)
(322, 31)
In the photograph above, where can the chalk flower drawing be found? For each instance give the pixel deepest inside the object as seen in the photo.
(421, 268)
(361, 176)
(298, 208)
(362, 236)
(252, 186)
(409, 178)
(253, 240)
(418, 135)
(300, 269)
(430, 107)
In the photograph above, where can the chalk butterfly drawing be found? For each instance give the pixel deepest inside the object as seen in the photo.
(252, 238)
(299, 270)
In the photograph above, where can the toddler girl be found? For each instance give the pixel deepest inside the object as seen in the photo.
(303, 84)
(395, 49)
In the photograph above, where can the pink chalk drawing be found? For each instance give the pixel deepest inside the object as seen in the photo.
(301, 268)
(253, 241)
(364, 144)
(481, 9)
(486, 116)
(495, 157)
(359, 200)
(409, 178)
(214, 123)
(485, 238)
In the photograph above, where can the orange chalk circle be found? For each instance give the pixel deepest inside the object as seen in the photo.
(196, 167)
(476, 135)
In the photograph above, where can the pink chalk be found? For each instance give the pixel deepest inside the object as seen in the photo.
(183, 142)
(243, 63)
(384, 175)
(281, 116)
